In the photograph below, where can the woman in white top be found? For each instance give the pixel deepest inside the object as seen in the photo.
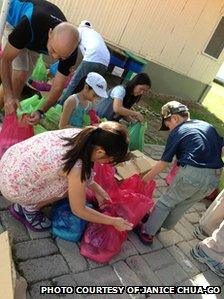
(122, 97)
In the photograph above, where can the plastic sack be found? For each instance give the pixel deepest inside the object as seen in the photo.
(133, 200)
(101, 242)
(104, 176)
(41, 86)
(38, 129)
(13, 131)
(135, 184)
(170, 176)
(40, 71)
(136, 135)
(65, 224)
(52, 117)
(29, 105)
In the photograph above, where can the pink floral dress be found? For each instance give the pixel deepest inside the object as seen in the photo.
(30, 170)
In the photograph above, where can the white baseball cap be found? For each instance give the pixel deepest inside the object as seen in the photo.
(86, 23)
(98, 84)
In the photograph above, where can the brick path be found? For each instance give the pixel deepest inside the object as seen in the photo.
(45, 260)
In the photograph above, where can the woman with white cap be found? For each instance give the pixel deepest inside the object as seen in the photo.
(80, 104)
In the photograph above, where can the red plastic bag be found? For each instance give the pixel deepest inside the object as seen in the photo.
(170, 176)
(104, 176)
(101, 242)
(13, 131)
(135, 184)
(133, 201)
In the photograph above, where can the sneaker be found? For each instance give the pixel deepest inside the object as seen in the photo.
(198, 254)
(145, 238)
(35, 221)
(199, 233)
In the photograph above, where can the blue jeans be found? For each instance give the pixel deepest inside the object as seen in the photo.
(83, 69)
(190, 185)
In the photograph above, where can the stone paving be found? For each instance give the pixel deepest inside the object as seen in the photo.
(45, 260)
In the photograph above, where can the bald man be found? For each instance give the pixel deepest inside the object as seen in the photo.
(35, 26)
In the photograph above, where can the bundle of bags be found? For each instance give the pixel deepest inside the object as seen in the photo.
(51, 117)
(131, 200)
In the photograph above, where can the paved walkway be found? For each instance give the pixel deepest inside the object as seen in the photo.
(44, 260)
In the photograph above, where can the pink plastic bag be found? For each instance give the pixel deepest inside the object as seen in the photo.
(136, 184)
(101, 242)
(94, 119)
(104, 176)
(133, 201)
(13, 131)
(170, 176)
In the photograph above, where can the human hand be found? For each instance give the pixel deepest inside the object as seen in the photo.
(139, 117)
(11, 105)
(121, 224)
(146, 178)
(102, 197)
(34, 118)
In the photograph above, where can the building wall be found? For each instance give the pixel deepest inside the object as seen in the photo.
(168, 32)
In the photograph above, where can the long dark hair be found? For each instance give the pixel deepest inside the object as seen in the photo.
(81, 85)
(111, 136)
(129, 99)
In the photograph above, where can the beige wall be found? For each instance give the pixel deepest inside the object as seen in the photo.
(172, 33)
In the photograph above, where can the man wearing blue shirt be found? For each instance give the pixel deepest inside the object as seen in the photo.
(198, 150)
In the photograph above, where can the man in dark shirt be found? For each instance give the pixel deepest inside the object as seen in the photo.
(35, 26)
(198, 149)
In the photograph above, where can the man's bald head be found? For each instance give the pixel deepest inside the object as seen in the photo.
(63, 40)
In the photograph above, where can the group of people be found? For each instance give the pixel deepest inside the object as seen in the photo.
(58, 164)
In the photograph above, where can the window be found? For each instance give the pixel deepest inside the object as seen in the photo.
(216, 44)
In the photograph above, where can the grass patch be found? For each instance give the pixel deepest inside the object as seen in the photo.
(214, 101)
(197, 111)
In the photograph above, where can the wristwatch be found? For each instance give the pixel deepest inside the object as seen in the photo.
(41, 113)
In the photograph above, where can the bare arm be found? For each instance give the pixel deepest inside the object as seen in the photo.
(157, 168)
(77, 195)
(68, 108)
(121, 110)
(55, 92)
(100, 193)
(8, 55)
